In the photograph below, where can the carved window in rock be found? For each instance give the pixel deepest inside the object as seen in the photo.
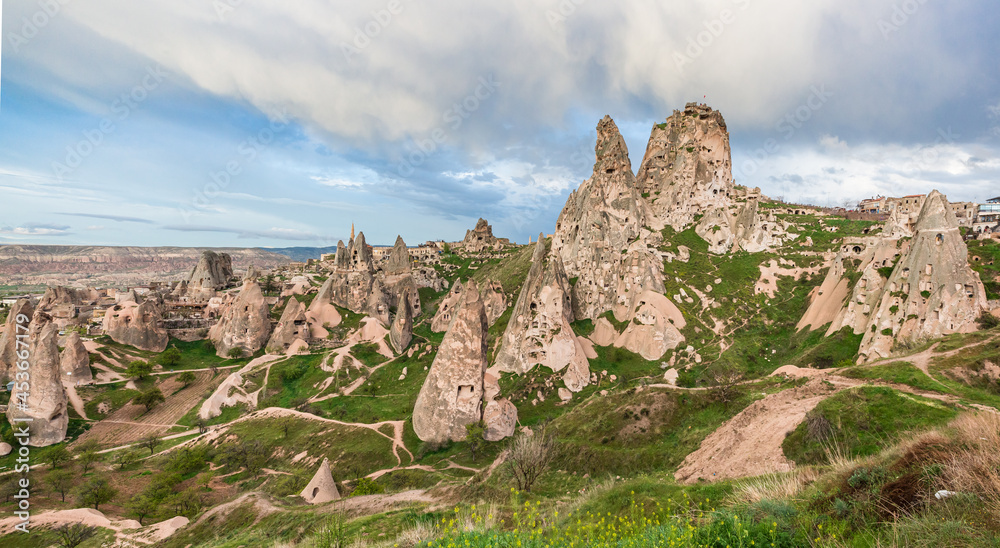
(939, 239)
(466, 392)
(929, 269)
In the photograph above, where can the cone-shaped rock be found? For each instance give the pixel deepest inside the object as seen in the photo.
(495, 300)
(342, 260)
(596, 231)
(539, 330)
(932, 291)
(401, 332)
(74, 362)
(453, 391)
(399, 259)
(322, 312)
(24, 310)
(322, 488)
(138, 325)
(292, 326)
(655, 327)
(212, 273)
(447, 309)
(245, 323)
(44, 403)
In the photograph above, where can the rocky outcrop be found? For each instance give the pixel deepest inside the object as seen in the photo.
(932, 291)
(245, 323)
(447, 309)
(252, 274)
(43, 405)
(24, 310)
(687, 168)
(398, 279)
(451, 395)
(293, 326)
(481, 239)
(322, 313)
(600, 234)
(321, 488)
(63, 303)
(74, 362)
(211, 274)
(138, 325)
(746, 230)
(399, 259)
(500, 419)
(539, 331)
(401, 332)
(655, 327)
(495, 300)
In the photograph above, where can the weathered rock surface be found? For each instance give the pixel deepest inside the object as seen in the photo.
(599, 234)
(292, 326)
(44, 403)
(447, 309)
(932, 291)
(453, 391)
(74, 362)
(401, 332)
(212, 273)
(321, 488)
(399, 259)
(500, 418)
(322, 312)
(539, 330)
(480, 238)
(245, 323)
(8, 342)
(5, 449)
(398, 279)
(604, 333)
(495, 300)
(687, 168)
(138, 325)
(655, 327)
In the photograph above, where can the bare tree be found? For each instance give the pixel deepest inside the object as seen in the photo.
(726, 378)
(71, 536)
(529, 457)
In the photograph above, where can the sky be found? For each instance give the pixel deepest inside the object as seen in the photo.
(266, 123)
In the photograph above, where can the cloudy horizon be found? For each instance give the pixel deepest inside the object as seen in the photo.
(263, 124)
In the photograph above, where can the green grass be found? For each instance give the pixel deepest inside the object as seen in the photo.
(383, 396)
(116, 396)
(861, 421)
(898, 373)
(291, 382)
(368, 354)
(200, 355)
(988, 264)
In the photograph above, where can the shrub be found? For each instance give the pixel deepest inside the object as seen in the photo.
(529, 457)
(367, 486)
(987, 321)
(235, 353)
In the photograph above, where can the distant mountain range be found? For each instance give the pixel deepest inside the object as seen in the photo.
(301, 254)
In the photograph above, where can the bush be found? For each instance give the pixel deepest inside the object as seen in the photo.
(529, 457)
(170, 357)
(235, 353)
(987, 321)
(367, 486)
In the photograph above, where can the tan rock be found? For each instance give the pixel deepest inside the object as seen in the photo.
(211, 274)
(245, 323)
(655, 327)
(495, 300)
(293, 325)
(401, 332)
(5, 449)
(500, 418)
(44, 401)
(138, 325)
(322, 312)
(451, 395)
(539, 330)
(74, 363)
(321, 488)
(447, 309)
(604, 333)
(23, 309)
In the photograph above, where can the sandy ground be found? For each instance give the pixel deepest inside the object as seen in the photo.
(75, 400)
(128, 529)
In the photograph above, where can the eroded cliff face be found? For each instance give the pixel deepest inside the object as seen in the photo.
(600, 234)
(245, 322)
(43, 404)
(211, 274)
(453, 391)
(932, 291)
(137, 324)
(23, 308)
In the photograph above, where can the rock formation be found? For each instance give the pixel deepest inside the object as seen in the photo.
(495, 300)
(599, 234)
(321, 488)
(211, 274)
(539, 330)
(655, 327)
(292, 326)
(252, 274)
(74, 362)
(138, 325)
(481, 238)
(322, 313)
(932, 291)
(44, 401)
(8, 341)
(500, 419)
(245, 323)
(447, 309)
(687, 168)
(398, 278)
(453, 391)
(401, 332)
